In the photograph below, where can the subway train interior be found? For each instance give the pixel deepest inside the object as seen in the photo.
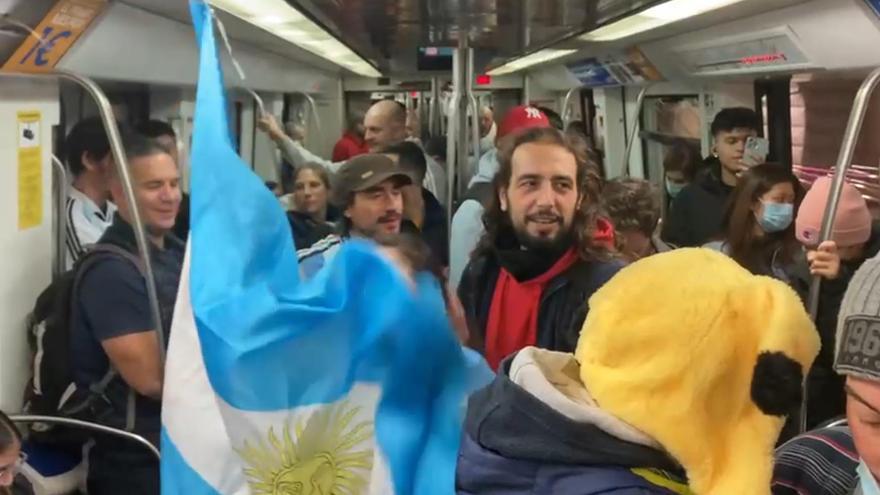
(634, 77)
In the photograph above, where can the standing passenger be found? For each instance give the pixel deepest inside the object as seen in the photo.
(368, 190)
(844, 460)
(113, 341)
(853, 240)
(352, 143)
(696, 214)
(309, 218)
(633, 206)
(758, 227)
(164, 134)
(539, 260)
(89, 209)
(680, 166)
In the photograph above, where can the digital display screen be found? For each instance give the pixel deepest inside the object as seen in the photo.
(434, 58)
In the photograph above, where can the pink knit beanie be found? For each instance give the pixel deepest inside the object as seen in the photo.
(852, 224)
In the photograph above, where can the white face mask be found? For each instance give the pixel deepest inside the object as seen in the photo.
(867, 481)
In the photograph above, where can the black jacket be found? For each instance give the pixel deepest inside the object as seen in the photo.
(696, 213)
(306, 231)
(826, 395)
(563, 307)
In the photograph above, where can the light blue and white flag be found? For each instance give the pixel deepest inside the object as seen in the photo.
(349, 383)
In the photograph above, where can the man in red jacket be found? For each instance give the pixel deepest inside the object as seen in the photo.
(352, 142)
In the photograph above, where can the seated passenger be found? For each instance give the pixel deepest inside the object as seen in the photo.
(424, 214)
(467, 222)
(633, 206)
(89, 209)
(853, 240)
(695, 216)
(758, 227)
(164, 134)
(113, 335)
(11, 456)
(368, 190)
(309, 218)
(846, 460)
(540, 258)
(682, 395)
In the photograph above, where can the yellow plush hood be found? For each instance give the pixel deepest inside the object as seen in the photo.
(703, 357)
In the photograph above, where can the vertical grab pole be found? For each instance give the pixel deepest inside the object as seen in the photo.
(566, 106)
(634, 129)
(452, 134)
(119, 158)
(59, 207)
(433, 107)
(462, 84)
(844, 160)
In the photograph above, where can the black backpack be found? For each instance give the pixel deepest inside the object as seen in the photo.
(52, 391)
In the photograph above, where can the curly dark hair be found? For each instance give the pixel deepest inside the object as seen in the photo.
(632, 204)
(589, 189)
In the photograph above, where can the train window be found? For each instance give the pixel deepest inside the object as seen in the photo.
(666, 120)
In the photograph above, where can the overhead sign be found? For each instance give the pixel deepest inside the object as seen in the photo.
(622, 69)
(61, 27)
(763, 51)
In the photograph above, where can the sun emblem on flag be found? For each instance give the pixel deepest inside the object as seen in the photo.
(322, 455)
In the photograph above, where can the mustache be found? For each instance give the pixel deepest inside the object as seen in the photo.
(390, 217)
(544, 217)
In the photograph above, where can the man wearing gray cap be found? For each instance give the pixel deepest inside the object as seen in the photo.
(845, 460)
(367, 189)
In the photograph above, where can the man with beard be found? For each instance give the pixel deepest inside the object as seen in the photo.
(542, 255)
(368, 190)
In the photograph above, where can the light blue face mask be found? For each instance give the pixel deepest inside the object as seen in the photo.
(867, 481)
(777, 217)
(673, 188)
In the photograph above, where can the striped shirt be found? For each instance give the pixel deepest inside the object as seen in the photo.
(86, 223)
(313, 258)
(820, 462)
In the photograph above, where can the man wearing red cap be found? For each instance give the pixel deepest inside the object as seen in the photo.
(545, 249)
(467, 223)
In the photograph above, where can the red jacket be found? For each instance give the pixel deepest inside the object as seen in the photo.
(348, 146)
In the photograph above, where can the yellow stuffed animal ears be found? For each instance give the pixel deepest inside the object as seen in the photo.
(704, 357)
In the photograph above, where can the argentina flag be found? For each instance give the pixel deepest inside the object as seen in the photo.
(349, 383)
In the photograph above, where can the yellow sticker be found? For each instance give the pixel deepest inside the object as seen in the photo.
(30, 170)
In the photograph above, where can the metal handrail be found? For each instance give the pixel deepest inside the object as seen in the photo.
(844, 160)
(314, 108)
(566, 106)
(634, 129)
(260, 105)
(119, 158)
(59, 199)
(475, 127)
(86, 425)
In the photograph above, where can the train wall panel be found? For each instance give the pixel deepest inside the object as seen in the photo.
(26, 252)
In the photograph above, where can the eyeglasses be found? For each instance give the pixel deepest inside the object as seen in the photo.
(14, 468)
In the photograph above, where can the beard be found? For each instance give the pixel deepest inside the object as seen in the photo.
(550, 245)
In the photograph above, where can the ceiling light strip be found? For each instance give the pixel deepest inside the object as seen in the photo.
(284, 21)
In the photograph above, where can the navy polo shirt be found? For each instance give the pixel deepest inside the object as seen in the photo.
(112, 302)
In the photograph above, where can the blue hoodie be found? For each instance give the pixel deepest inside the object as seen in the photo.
(467, 223)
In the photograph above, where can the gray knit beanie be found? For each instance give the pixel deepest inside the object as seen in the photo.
(858, 325)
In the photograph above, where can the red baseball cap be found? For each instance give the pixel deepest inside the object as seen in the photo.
(522, 117)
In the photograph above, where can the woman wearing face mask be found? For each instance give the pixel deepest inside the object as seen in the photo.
(680, 165)
(758, 226)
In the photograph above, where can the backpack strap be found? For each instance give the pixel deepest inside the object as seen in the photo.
(96, 253)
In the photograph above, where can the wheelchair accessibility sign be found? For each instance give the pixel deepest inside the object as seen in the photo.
(61, 27)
